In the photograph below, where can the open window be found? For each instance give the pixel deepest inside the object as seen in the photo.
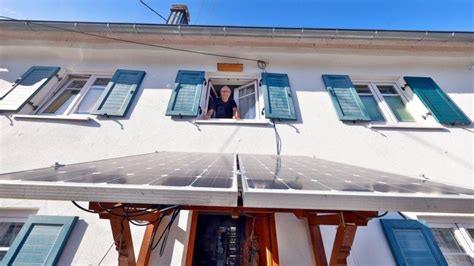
(77, 95)
(244, 92)
(258, 96)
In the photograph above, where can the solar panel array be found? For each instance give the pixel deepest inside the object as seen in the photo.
(198, 170)
(207, 179)
(303, 173)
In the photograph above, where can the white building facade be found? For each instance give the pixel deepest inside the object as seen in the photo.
(401, 134)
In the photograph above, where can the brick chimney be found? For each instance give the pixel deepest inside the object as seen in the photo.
(179, 15)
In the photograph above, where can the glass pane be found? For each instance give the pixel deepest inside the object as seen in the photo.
(8, 232)
(387, 89)
(247, 107)
(459, 260)
(471, 232)
(372, 108)
(246, 91)
(2, 254)
(77, 83)
(101, 82)
(446, 241)
(398, 108)
(362, 89)
(62, 102)
(89, 101)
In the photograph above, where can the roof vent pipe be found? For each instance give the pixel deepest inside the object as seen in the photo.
(179, 15)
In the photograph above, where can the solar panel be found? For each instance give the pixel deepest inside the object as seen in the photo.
(160, 178)
(304, 182)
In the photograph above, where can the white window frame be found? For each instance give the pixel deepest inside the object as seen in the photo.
(391, 120)
(62, 86)
(204, 102)
(15, 216)
(460, 235)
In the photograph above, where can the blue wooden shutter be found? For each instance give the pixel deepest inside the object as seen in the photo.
(119, 93)
(40, 241)
(25, 87)
(278, 97)
(186, 95)
(412, 243)
(437, 101)
(347, 102)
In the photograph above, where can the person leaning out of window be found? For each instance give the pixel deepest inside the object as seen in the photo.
(223, 107)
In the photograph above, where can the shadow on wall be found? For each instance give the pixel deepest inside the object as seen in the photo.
(175, 251)
(75, 239)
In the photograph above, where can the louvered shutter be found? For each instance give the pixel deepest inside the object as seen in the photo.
(278, 97)
(347, 102)
(119, 93)
(40, 241)
(443, 109)
(412, 243)
(186, 95)
(25, 87)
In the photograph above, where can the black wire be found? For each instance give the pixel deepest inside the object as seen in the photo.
(82, 208)
(154, 11)
(164, 235)
(364, 217)
(402, 215)
(277, 138)
(135, 42)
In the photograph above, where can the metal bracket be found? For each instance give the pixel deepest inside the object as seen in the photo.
(57, 165)
(33, 105)
(426, 116)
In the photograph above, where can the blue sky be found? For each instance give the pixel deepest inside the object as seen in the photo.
(455, 15)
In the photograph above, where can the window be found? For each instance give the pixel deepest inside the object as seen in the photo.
(11, 222)
(77, 95)
(384, 102)
(454, 241)
(8, 231)
(245, 92)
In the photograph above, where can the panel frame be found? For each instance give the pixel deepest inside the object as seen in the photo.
(103, 192)
(355, 201)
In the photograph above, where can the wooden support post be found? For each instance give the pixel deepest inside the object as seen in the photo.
(145, 249)
(318, 245)
(342, 244)
(123, 240)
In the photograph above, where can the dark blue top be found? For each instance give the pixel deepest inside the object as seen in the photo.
(223, 109)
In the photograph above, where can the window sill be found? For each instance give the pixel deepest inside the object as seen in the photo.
(233, 121)
(54, 117)
(407, 126)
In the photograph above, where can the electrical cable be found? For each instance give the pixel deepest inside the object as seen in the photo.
(154, 11)
(164, 235)
(138, 43)
(364, 217)
(82, 208)
(402, 215)
(277, 137)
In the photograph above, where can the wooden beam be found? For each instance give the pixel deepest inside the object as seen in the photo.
(317, 244)
(273, 240)
(192, 239)
(342, 244)
(145, 249)
(123, 241)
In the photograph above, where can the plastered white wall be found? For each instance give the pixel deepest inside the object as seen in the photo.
(443, 155)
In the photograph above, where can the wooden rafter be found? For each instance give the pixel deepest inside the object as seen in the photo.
(342, 244)
(347, 222)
